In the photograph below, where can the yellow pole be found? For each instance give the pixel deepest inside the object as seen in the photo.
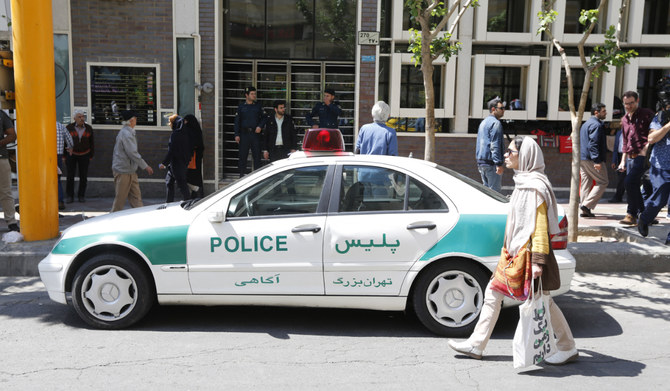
(32, 31)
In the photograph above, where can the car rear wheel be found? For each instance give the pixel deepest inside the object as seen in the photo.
(449, 296)
(111, 291)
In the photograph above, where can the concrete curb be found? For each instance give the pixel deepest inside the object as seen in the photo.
(21, 259)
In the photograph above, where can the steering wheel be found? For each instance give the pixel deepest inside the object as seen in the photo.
(248, 205)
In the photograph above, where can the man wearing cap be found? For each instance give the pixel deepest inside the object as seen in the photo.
(328, 111)
(125, 162)
(249, 121)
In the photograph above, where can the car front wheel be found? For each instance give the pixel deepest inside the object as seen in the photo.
(449, 296)
(111, 291)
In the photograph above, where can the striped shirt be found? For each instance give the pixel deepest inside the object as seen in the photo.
(62, 137)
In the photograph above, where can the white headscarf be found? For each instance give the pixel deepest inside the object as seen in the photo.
(532, 188)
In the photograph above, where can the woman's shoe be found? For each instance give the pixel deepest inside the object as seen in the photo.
(562, 357)
(465, 348)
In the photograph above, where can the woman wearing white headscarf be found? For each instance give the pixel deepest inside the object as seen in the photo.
(533, 216)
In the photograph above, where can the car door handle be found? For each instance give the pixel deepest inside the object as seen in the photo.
(306, 228)
(422, 224)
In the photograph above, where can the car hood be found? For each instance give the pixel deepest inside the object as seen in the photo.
(149, 222)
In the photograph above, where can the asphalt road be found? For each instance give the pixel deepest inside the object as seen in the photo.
(620, 322)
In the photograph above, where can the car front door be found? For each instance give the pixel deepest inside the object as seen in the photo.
(383, 221)
(270, 241)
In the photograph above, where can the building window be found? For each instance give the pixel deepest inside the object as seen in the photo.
(412, 91)
(656, 17)
(577, 83)
(508, 16)
(503, 82)
(647, 86)
(118, 88)
(290, 29)
(185, 76)
(573, 9)
(62, 65)
(383, 79)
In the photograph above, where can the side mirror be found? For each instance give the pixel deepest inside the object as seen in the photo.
(216, 217)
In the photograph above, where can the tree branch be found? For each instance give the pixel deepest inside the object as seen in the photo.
(445, 20)
(587, 33)
(622, 10)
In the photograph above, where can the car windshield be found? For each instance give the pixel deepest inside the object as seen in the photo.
(489, 192)
(190, 204)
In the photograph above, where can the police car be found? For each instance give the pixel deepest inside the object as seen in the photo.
(323, 228)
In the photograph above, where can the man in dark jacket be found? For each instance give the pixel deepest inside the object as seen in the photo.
(82, 153)
(280, 137)
(592, 166)
(328, 112)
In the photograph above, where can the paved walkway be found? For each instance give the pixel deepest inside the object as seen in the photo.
(604, 245)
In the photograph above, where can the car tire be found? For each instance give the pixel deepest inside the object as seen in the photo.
(111, 291)
(449, 296)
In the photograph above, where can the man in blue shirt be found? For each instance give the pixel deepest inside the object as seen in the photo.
(377, 138)
(328, 111)
(489, 150)
(659, 172)
(249, 121)
(593, 150)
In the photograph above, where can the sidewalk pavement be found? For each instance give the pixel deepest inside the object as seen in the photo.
(604, 245)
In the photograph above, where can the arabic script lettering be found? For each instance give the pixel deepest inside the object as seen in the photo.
(367, 246)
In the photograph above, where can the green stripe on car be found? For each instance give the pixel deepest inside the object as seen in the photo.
(479, 235)
(162, 246)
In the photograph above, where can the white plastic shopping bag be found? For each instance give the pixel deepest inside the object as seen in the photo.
(534, 337)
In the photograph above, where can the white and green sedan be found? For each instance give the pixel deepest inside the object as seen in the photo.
(319, 229)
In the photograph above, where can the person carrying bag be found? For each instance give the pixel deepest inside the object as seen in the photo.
(533, 217)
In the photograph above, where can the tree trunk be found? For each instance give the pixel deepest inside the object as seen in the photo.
(427, 69)
(576, 118)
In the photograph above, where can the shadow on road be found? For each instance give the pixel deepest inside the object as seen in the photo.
(591, 364)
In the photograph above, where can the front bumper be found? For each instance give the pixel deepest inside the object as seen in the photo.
(52, 272)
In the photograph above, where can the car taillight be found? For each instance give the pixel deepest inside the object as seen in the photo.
(560, 240)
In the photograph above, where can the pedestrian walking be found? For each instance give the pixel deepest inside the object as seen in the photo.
(635, 127)
(489, 149)
(194, 172)
(593, 153)
(532, 218)
(64, 144)
(82, 154)
(177, 158)
(125, 162)
(659, 172)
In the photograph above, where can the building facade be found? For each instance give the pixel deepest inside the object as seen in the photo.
(160, 57)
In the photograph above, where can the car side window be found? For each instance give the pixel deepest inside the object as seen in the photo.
(421, 197)
(367, 188)
(295, 191)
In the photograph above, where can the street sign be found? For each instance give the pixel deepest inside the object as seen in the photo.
(368, 37)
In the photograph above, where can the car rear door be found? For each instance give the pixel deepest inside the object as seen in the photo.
(381, 220)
